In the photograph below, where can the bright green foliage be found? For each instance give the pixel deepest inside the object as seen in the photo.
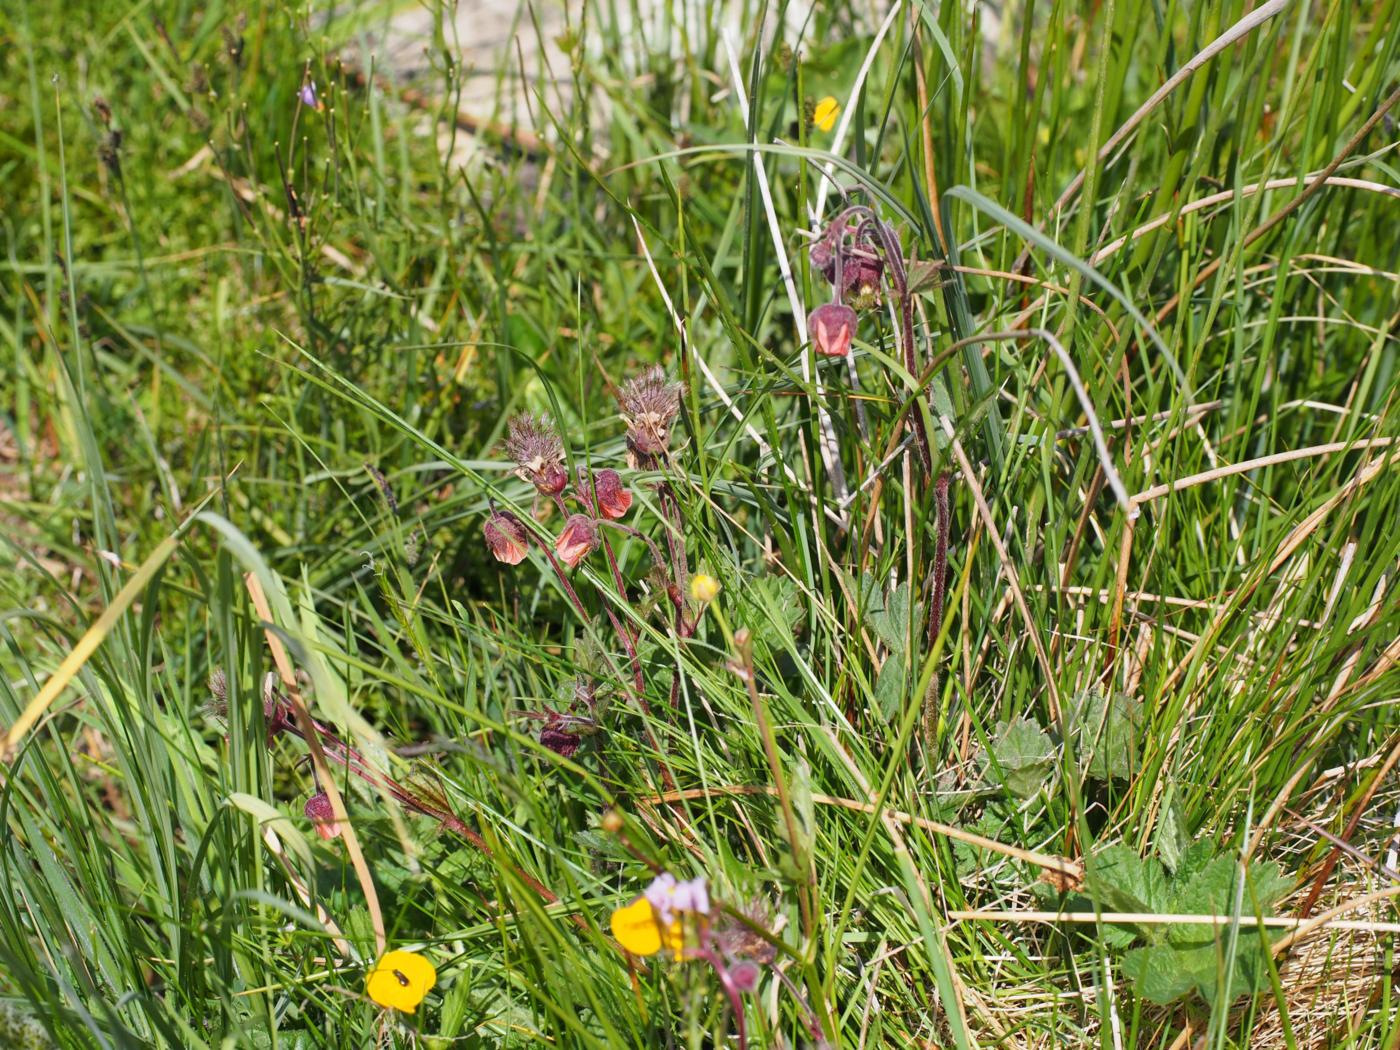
(1179, 958)
(220, 308)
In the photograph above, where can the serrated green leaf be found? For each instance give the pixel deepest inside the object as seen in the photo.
(1157, 974)
(1105, 730)
(1021, 757)
(1119, 880)
(889, 687)
(1170, 835)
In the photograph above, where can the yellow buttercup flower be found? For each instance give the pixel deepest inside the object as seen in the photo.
(400, 980)
(638, 929)
(824, 116)
(704, 588)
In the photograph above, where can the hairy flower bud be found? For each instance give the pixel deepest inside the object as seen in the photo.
(318, 810)
(831, 327)
(506, 537)
(558, 739)
(613, 497)
(538, 453)
(577, 541)
(649, 407)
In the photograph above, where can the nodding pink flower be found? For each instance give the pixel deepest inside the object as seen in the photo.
(318, 810)
(831, 327)
(577, 541)
(745, 975)
(649, 406)
(506, 537)
(613, 497)
(538, 453)
(860, 264)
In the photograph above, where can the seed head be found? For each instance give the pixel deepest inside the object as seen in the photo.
(830, 327)
(538, 453)
(506, 537)
(577, 541)
(649, 406)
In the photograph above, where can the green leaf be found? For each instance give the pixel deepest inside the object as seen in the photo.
(1105, 731)
(1119, 880)
(889, 687)
(1157, 973)
(1021, 757)
(891, 620)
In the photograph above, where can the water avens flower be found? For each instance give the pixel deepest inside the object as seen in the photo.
(824, 115)
(613, 498)
(831, 327)
(318, 810)
(506, 537)
(704, 588)
(577, 541)
(400, 980)
(538, 453)
(649, 407)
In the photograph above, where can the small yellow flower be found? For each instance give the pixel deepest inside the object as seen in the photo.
(824, 116)
(400, 980)
(637, 929)
(704, 588)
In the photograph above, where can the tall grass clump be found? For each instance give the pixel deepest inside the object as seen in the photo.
(789, 525)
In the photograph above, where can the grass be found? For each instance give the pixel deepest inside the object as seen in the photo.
(262, 356)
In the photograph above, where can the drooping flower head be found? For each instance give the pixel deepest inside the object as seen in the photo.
(318, 810)
(649, 407)
(577, 541)
(400, 980)
(613, 497)
(848, 256)
(533, 444)
(506, 537)
(831, 327)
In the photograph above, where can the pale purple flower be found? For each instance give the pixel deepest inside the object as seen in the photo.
(309, 98)
(668, 896)
(659, 893)
(692, 896)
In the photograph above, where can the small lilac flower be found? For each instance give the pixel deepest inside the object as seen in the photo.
(506, 537)
(309, 98)
(669, 896)
(692, 896)
(577, 541)
(830, 327)
(660, 893)
(318, 810)
(613, 497)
